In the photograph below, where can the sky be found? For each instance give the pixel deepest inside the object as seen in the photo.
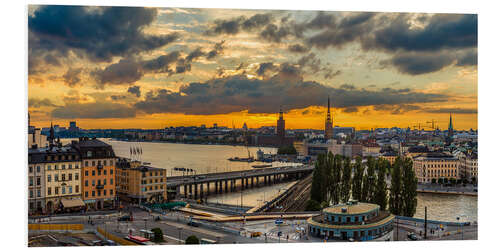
(120, 67)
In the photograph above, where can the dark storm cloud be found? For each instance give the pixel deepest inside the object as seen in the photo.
(266, 67)
(117, 97)
(97, 110)
(235, 25)
(72, 76)
(443, 31)
(452, 111)
(331, 74)
(37, 103)
(195, 54)
(274, 33)
(397, 108)
(468, 59)
(126, 71)
(136, 90)
(310, 61)
(322, 20)
(161, 64)
(298, 48)
(237, 93)
(217, 50)
(419, 63)
(52, 60)
(99, 33)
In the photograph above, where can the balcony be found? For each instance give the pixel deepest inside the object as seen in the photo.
(100, 186)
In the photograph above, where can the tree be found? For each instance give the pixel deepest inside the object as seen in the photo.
(346, 180)
(357, 180)
(433, 181)
(334, 177)
(381, 186)
(368, 188)
(158, 234)
(318, 184)
(395, 202)
(313, 205)
(192, 240)
(409, 189)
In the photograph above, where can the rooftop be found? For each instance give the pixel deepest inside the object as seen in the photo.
(355, 208)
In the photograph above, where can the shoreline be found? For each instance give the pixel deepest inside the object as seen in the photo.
(446, 192)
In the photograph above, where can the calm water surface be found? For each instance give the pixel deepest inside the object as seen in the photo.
(213, 158)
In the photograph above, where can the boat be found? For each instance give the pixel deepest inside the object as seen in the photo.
(262, 166)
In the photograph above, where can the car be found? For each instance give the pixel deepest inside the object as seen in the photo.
(193, 224)
(412, 236)
(125, 218)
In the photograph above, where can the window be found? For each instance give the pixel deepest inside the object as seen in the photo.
(31, 169)
(76, 166)
(111, 192)
(93, 172)
(86, 173)
(104, 172)
(93, 163)
(70, 177)
(31, 181)
(31, 193)
(76, 176)
(93, 182)
(77, 189)
(63, 177)
(111, 181)
(99, 192)
(86, 163)
(49, 167)
(38, 182)
(63, 166)
(93, 193)
(63, 190)
(104, 192)
(70, 166)
(56, 190)
(89, 153)
(86, 183)
(49, 191)
(104, 182)
(56, 167)
(56, 177)
(70, 189)
(105, 163)
(111, 171)
(86, 194)
(98, 172)
(38, 169)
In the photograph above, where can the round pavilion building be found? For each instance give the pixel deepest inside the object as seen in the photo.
(352, 220)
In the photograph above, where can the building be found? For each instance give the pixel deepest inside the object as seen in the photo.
(389, 156)
(316, 147)
(431, 167)
(371, 149)
(353, 220)
(470, 167)
(346, 131)
(280, 139)
(280, 126)
(35, 137)
(328, 123)
(449, 136)
(54, 176)
(135, 181)
(98, 172)
(73, 128)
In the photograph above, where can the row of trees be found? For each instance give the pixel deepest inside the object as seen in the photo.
(336, 180)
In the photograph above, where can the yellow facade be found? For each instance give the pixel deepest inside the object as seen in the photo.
(429, 168)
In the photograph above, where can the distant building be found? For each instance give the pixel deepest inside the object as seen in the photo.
(280, 126)
(449, 136)
(73, 128)
(469, 167)
(277, 140)
(348, 131)
(431, 167)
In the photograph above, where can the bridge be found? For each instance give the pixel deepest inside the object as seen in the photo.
(202, 185)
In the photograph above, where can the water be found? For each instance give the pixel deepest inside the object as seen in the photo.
(213, 158)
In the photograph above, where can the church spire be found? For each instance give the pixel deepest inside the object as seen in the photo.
(51, 136)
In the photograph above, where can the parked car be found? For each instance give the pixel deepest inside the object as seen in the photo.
(193, 224)
(125, 218)
(412, 236)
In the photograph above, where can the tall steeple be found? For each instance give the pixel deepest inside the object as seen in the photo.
(280, 126)
(51, 135)
(328, 123)
(449, 138)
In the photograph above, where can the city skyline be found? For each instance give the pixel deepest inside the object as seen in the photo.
(180, 67)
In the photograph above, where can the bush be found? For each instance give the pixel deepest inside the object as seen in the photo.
(287, 150)
(158, 237)
(192, 240)
(433, 181)
(313, 205)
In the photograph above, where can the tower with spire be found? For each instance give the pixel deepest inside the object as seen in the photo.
(449, 137)
(328, 123)
(280, 126)
(51, 135)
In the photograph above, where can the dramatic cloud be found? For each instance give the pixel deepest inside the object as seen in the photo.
(468, 59)
(37, 103)
(99, 33)
(420, 63)
(452, 111)
(350, 110)
(97, 110)
(72, 76)
(298, 48)
(443, 31)
(126, 71)
(136, 90)
(235, 25)
(265, 67)
(237, 93)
